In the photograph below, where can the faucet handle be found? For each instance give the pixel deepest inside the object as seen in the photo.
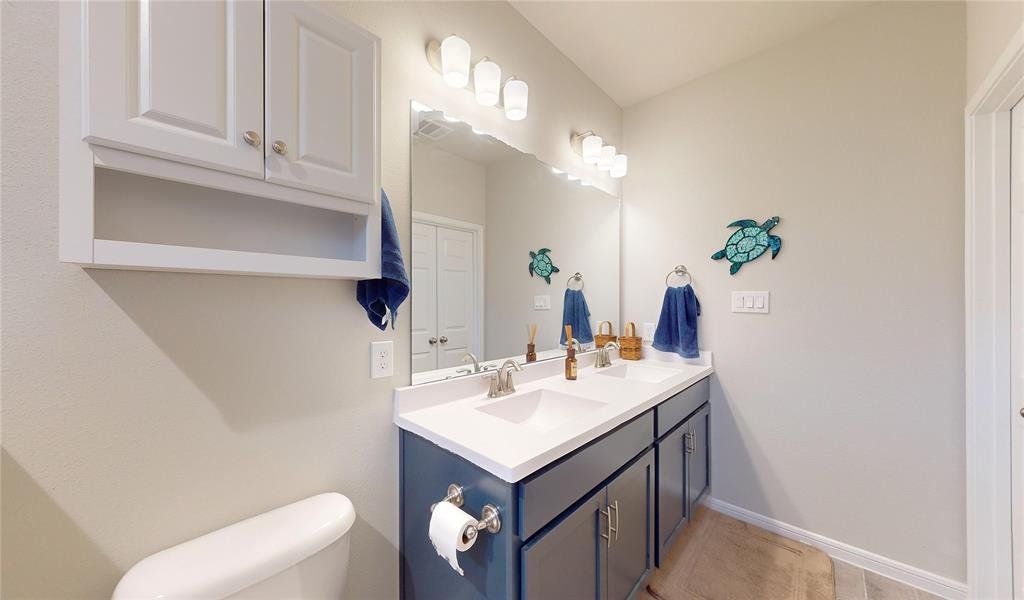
(496, 387)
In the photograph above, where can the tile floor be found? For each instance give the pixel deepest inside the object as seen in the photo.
(854, 583)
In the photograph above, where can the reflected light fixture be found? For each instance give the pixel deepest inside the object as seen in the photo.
(591, 147)
(620, 165)
(604, 162)
(557, 171)
(455, 53)
(420, 107)
(571, 177)
(486, 82)
(517, 96)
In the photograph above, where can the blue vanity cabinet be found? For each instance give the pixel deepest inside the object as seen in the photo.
(683, 460)
(603, 549)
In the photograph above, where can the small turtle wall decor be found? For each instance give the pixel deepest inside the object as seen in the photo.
(749, 242)
(540, 264)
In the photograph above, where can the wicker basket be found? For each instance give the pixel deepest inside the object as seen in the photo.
(630, 344)
(601, 338)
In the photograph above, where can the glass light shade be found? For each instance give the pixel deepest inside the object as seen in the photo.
(592, 149)
(487, 82)
(620, 165)
(604, 162)
(455, 53)
(517, 97)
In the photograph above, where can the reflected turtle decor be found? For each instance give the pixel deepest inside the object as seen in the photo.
(749, 242)
(540, 264)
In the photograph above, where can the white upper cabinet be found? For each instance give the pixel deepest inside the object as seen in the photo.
(321, 94)
(178, 80)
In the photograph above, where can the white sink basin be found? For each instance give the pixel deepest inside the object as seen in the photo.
(540, 410)
(645, 373)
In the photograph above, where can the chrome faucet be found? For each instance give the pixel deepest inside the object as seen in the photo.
(501, 382)
(469, 357)
(575, 342)
(603, 359)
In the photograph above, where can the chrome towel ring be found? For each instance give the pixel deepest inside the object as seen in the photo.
(679, 271)
(577, 278)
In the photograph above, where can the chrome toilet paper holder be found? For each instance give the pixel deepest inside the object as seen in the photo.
(489, 521)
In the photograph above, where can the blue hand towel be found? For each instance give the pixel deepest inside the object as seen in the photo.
(677, 326)
(576, 313)
(382, 296)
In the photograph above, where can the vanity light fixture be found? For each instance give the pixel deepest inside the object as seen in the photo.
(620, 165)
(486, 82)
(455, 53)
(604, 163)
(517, 96)
(557, 171)
(591, 147)
(571, 177)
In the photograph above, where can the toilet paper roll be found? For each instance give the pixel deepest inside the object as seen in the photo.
(447, 526)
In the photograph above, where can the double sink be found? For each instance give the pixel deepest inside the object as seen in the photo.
(544, 409)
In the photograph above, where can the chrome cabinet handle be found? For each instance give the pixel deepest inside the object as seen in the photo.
(252, 138)
(689, 445)
(444, 339)
(280, 147)
(607, 537)
(432, 341)
(614, 506)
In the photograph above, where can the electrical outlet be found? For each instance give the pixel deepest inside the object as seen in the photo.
(382, 359)
(649, 329)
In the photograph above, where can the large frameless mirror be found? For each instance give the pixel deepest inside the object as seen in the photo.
(503, 247)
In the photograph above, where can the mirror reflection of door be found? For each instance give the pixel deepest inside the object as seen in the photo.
(444, 306)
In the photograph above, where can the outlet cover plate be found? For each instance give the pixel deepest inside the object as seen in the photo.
(382, 359)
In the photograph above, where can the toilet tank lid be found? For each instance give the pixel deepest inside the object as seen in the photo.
(238, 556)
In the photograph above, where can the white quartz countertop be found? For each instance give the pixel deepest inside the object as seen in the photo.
(457, 414)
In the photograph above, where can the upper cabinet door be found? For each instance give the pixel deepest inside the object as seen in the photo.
(178, 80)
(322, 86)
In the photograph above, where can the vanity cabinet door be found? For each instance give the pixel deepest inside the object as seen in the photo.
(672, 500)
(322, 86)
(698, 463)
(631, 509)
(565, 562)
(177, 80)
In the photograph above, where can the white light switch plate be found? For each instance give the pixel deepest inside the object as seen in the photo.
(382, 359)
(751, 302)
(542, 302)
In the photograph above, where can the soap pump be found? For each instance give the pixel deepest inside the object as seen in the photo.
(570, 355)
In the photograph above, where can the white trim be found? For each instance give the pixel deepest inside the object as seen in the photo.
(478, 246)
(987, 304)
(893, 569)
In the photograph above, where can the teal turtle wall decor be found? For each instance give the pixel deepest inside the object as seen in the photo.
(749, 242)
(540, 264)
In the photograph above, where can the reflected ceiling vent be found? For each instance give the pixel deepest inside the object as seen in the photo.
(432, 126)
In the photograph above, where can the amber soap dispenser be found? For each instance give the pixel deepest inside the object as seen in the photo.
(570, 355)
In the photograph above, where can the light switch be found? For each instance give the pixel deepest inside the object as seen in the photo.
(750, 302)
(542, 302)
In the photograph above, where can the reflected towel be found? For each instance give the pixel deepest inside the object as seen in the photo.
(677, 326)
(576, 313)
(381, 297)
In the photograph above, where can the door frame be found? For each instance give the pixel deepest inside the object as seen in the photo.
(478, 268)
(989, 406)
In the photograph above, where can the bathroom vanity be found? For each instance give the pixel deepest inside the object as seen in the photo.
(593, 479)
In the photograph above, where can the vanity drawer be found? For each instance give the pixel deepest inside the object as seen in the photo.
(672, 411)
(544, 496)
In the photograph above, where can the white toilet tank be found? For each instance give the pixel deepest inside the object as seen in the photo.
(298, 551)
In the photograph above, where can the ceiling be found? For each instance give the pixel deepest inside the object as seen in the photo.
(636, 50)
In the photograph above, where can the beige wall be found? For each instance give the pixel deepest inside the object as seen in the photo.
(842, 411)
(529, 208)
(447, 185)
(990, 25)
(143, 409)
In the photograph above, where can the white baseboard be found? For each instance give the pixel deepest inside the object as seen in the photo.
(913, 576)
